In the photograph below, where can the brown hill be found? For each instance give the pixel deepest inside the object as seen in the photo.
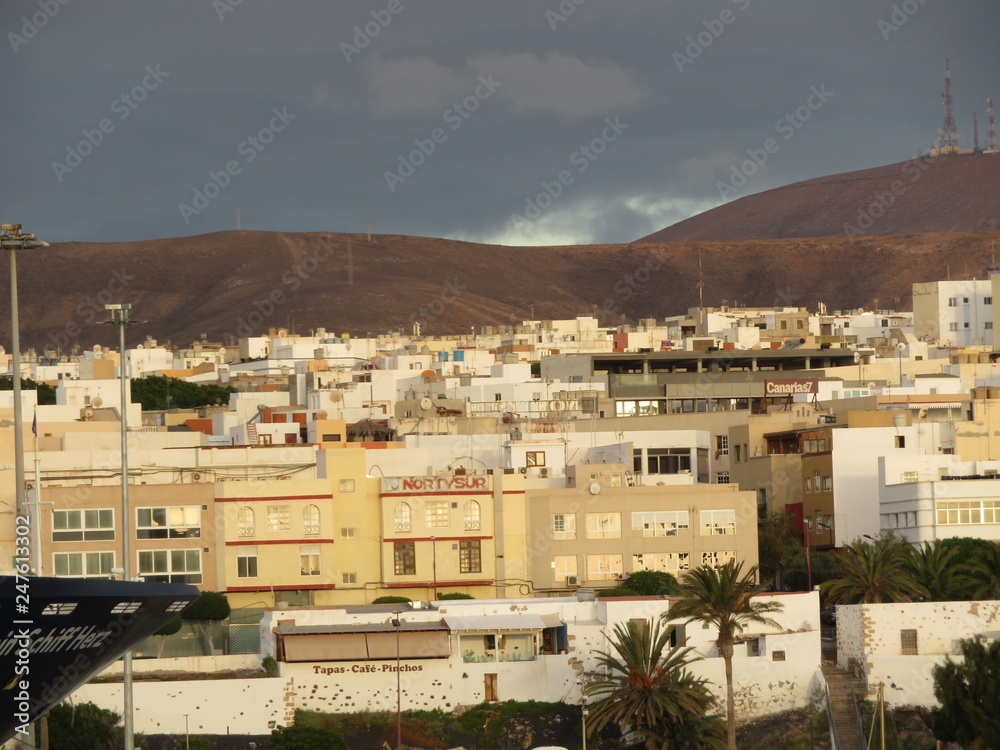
(947, 194)
(233, 284)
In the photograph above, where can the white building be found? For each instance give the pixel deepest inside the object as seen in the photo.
(959, 313)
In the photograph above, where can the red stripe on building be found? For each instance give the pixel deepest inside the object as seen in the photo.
(272, 498)
(256, 542)
(314, 587)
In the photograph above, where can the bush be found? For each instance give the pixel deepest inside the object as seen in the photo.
(651, 583)
(269, 665)
(391, 600)
(305, 738)
(454, 595)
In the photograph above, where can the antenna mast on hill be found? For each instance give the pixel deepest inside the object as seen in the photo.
(991, 136)
(949, 133)
(975, 133)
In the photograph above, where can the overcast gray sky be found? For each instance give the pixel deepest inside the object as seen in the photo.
(517, 122)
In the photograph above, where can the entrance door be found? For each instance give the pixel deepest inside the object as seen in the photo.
(490, 688)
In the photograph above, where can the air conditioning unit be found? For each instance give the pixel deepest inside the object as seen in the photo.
(572, 581)
(522, 470)
(196, 477)
(543, 472)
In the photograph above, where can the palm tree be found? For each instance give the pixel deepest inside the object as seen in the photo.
(722, 598)
(873, 573)
(934, 566)
(644, 689)
(983, 572)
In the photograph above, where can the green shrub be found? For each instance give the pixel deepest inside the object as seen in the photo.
(391, 600)
(454, 595)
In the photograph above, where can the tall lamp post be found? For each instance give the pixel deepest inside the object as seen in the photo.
(397, 623)
(119, 317)
(12, 239)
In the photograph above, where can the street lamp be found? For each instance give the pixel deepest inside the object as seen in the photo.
(583, 709)
(119, 317)
(187, 736)
(397, 623)
(11, 238)
(434, 566)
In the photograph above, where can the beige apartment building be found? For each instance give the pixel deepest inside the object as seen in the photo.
(600, 529)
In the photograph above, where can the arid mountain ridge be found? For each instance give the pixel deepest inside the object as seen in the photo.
(231, 284)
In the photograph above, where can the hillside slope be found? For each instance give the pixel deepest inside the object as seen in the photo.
(233, 284)
(949, 194)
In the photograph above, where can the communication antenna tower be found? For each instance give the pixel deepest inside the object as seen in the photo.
(975, 133)
(991, 136)
(949, 133)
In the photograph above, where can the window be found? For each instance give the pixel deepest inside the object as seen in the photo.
(722, 477)
(472, 514)
(333, 437)
(604, 567)
(245, 521)
(170, 566)
(660, 523)
(952, 301)
(668, 460)
(777, 656)
(403, 518)
(563, 565)
(279, 517)
(83, 525)
(739, 453)
(404, 559)
(827, 484)
(722, 445)
(84, 564)
(667, 562)
(310, 520)
(604, 525)
(564, 526)
(616, 479)
(346, 485)
(437, 514)
(900, 441)
(169, 523)
(987, 300)
(953, 326)
(469, 556)
(717, 559)
(989, 325)
(348, 532)
(246, 562)
(968, 511)
(718, 522)
(534, 458)
(349, 578)
(309, 559)
(908, 642)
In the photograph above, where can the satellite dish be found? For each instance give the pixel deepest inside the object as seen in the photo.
(857, 357)
(97, 401)
(262, 408)
(595, 488)
(426, 403)
(321, 415)
(139, 346)
(871, 383)
(97, 348)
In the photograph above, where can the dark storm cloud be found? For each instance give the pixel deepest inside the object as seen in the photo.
(472, 120)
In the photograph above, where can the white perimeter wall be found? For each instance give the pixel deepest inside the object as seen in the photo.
(869, 634)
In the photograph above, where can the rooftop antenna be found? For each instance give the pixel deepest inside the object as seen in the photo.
(949, 133)
(991, 136)
(975, 133)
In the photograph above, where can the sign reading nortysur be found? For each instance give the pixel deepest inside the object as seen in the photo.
(435, 484)
(791, 386)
